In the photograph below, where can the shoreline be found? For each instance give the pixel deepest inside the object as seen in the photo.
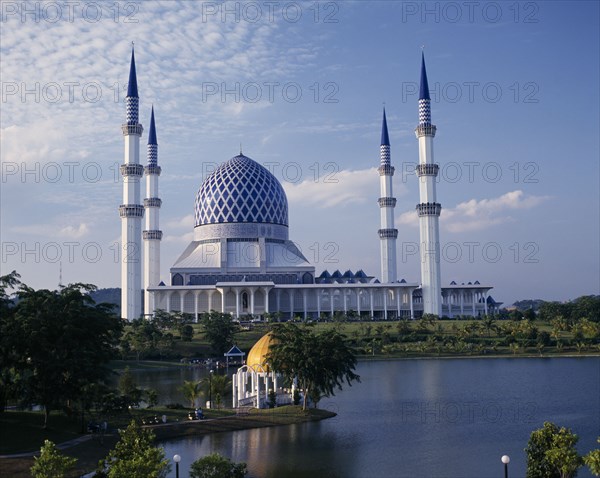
(89, 451)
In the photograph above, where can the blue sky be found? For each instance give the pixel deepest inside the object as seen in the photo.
(515, 97)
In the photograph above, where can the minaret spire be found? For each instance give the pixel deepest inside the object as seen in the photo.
(152, 234)
(428, 209)
(131, 211)
(387, 234)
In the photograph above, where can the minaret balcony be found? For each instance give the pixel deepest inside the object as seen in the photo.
(427, 170)
(386, 170)
(387, 202)
(152, 202)
(429, 209)
(153, 169)
(132, 170)
(135, 129)
(149, 235)
(388, 233)
(425, 130)
(131, 210)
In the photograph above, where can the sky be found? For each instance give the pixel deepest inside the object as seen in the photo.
(301, 86)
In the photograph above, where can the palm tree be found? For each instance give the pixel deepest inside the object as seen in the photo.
(191, 391)
(488, 324)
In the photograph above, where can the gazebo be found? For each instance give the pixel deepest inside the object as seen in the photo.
(234, 352)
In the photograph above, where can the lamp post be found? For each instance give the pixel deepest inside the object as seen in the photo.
(176, 459)
(210, 388)
(506, 460)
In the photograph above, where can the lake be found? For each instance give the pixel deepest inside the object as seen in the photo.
(414, 418)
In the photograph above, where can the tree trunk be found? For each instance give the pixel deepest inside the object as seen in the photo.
(46, 415)
(305, 398)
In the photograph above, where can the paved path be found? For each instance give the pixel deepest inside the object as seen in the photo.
(60, 446)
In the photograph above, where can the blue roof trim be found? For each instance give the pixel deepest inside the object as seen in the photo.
(385, 139)
(132, 89)
(424, 91)
(152, 133)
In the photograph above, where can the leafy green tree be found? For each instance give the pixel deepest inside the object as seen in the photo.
(192, 391)
(151, 397)
(51, 463)
(12, 342)
(128, 388)
(321, 363)
(551, 453)
(592, 460)
(134, 456)
(186, 332)
(217, 466)
(219, 330)
(69, 341)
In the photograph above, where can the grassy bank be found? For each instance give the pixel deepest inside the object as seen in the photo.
(25, 427)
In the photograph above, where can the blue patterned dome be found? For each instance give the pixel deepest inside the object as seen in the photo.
(241, 191)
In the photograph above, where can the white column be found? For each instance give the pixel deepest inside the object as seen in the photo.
(485, 298)
(412, 307)
(358, 302)
(223, 294)
(266, 293)
(210, 294)
(237, 303)
(252, 300)
(385, 294)
(181, 302)
(331, 291)
(345, 304)
(473, 302)
(398, 293)
(371, 303)
(169, 301)
(278, 299)
(196, 294)
(318, 293)
(305, 303)
(462, 303)
(291, 294)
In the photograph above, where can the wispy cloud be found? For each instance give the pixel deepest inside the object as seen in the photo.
(474, 215)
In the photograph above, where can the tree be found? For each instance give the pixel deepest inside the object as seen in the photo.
(51, 463)
(128, 388)
(592, 460)
(191, 391)
(151, 397)
(217, 466)
(134, 456)
(321, 363)
(186, 332)
(68, 341)
(219, 330)
(551, 453)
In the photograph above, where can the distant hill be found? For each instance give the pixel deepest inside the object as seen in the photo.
(527, 304)
(110, 296)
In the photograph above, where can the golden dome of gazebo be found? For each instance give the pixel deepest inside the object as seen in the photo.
(258, 353)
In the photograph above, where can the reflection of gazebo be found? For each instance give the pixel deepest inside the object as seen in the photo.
(234, 352)
(253, 381)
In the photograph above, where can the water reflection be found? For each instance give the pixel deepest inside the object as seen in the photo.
(426, 418)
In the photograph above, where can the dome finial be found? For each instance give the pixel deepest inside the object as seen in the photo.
(241, 154)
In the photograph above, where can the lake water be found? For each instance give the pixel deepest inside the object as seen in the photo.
(433, 418)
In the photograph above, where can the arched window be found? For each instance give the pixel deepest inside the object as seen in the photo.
(307, 278)
(177, 279)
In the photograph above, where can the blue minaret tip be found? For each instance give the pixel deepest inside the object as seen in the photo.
(132, 89)
(152, 133)
(424, 91)
(385, 139)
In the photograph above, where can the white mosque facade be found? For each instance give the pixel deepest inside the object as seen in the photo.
(241, 260)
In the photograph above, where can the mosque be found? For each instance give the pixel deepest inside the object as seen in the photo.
(241, 260)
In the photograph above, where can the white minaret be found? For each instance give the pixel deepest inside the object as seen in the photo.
(387, 203)
(428, 208)
(152, 234)
(131, 211)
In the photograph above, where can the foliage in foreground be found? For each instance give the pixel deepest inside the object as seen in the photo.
(217, 466)
(51, 463)
(134, 456)
(551, 453)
